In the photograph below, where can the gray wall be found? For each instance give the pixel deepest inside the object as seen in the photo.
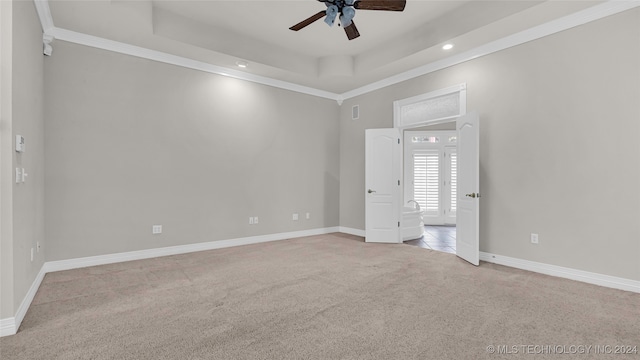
(6, 162)
(22, 113)
(559, 149)
(131, 143)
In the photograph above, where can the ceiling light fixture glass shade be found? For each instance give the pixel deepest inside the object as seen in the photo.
(347, 15)
(332, 12)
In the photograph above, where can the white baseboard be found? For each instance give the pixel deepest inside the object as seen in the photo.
(26, 302)
(60, 265)
(563, 272)
(8, 327)
(351, 231)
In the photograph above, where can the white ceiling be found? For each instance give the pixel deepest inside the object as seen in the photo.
(320, 57)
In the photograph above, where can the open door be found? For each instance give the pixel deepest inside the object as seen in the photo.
(467, 234)
(383, 172)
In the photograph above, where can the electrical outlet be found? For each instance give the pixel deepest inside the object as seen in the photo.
(255, 219)
(534, 238)
(295, 217)
(250, 220)
(308, 216)
(156, 229)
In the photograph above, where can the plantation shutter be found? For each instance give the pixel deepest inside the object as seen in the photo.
(426, 180)
(454, 182)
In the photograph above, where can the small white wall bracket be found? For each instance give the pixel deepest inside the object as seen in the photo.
(20, 145)
(46, 41)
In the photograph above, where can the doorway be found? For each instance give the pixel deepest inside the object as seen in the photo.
(383, 160)
(430, 183)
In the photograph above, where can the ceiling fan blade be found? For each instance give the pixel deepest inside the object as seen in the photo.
(352, 31)
(307, 22)
(387, 5)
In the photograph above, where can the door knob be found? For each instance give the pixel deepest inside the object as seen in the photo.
(371, 191)
(472, 195)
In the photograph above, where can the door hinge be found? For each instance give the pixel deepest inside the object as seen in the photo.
(398, 141)
(398, 182)
(398, 223)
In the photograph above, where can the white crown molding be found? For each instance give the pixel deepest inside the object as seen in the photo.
(137, 51)
(44, 13)
(579, 18)
(563, 272)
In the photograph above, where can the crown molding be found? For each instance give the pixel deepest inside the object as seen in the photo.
(44, 13)
(137, 51)
(579, 18)
(567, 22)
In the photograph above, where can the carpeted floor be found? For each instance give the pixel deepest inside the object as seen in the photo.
(321, 297)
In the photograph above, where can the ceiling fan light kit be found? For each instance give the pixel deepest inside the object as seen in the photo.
(332, 12)
(347, 11)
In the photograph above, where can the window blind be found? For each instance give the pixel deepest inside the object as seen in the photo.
(426, 180)
(454, 181)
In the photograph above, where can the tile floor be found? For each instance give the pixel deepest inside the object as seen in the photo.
(440, 238)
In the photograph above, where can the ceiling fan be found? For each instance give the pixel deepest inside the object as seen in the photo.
(345, 10)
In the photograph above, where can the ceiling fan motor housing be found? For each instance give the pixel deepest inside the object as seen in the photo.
(339, 3)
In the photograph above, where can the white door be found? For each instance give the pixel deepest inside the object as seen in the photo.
(383, 172)
(468, 210)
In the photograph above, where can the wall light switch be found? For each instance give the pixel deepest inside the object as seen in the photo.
(295, 217)
(255, 220)
(19, 175)
(308, 216)
(250, 220)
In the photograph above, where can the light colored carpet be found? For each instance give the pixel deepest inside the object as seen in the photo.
(321, 297)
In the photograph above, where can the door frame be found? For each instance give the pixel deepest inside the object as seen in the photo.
(406, 109)
(413, 112)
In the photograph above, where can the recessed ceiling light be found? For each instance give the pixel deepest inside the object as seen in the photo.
(447, 47)
(242, 64)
